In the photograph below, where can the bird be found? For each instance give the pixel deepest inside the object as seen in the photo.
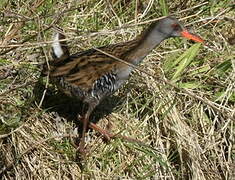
(92, 75)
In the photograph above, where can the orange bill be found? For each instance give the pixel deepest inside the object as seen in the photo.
(191, 36)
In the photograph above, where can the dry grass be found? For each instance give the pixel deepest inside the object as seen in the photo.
(187, 128)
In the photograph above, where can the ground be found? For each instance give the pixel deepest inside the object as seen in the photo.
(180, 107)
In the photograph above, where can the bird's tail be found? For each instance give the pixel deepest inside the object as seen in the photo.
(60, 51)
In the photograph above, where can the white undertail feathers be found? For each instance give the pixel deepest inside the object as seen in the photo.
(56, 46)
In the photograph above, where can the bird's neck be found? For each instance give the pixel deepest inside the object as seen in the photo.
(145, 43)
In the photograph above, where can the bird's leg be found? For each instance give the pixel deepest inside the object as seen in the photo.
(106, 134)
(109, 135)
(85, 121)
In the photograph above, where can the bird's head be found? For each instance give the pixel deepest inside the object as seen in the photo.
(171, 27)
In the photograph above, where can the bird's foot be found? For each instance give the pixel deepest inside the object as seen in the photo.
(106, 134)
(82, 149)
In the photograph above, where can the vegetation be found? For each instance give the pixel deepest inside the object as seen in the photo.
(186, 123)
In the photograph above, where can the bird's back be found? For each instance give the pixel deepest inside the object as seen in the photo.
(91, 75)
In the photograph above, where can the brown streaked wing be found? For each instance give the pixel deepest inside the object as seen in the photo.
(85, 76)
(84, 70)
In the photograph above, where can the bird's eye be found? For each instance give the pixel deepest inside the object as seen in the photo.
(176, 27)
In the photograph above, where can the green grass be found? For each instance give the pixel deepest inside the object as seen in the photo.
(185, 137)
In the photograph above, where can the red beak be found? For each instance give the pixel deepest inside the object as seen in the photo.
(191, 36)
